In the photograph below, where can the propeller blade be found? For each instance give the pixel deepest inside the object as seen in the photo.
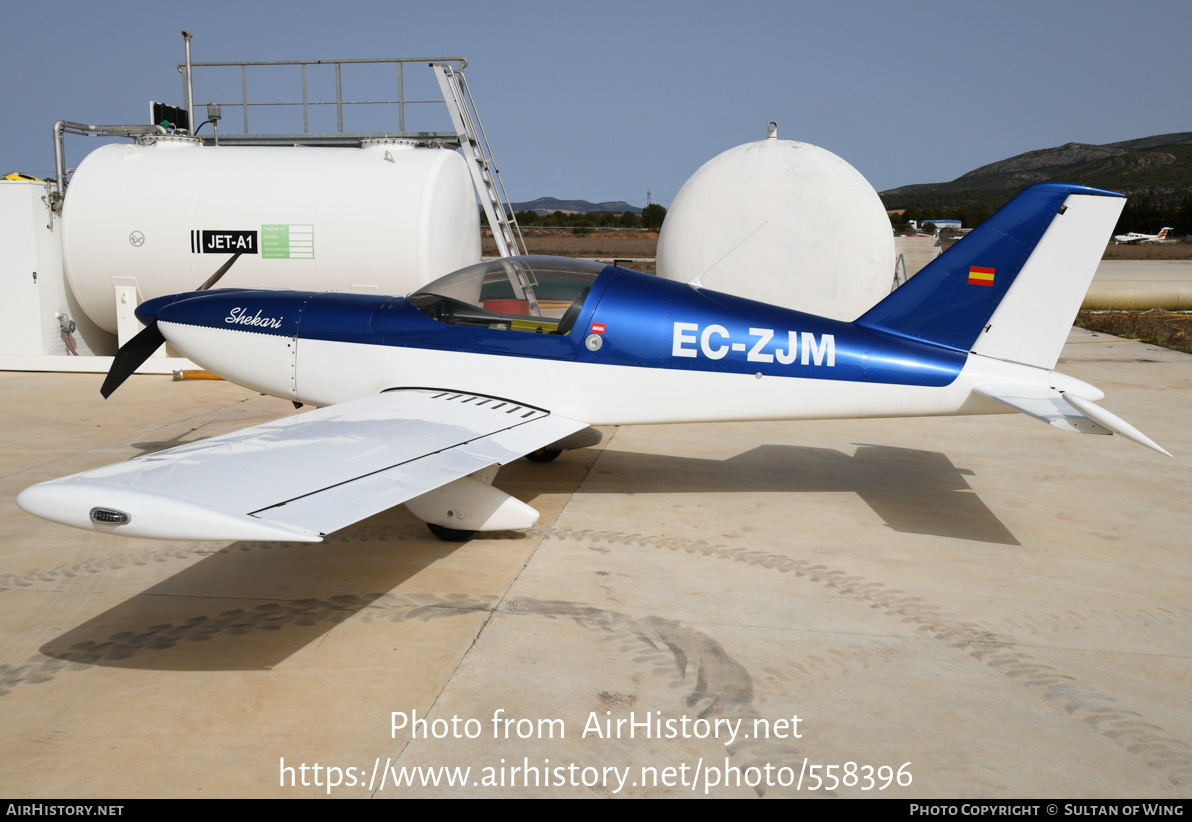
(133, 353)
(130, 357)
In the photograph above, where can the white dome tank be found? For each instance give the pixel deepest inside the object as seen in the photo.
(785, 223)
(387, 217)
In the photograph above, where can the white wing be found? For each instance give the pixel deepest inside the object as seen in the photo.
(301, 477)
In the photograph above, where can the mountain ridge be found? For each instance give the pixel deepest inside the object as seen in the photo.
(1158, 166)
(549, 205)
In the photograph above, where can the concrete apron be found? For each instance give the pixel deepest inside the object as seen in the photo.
(981, 607)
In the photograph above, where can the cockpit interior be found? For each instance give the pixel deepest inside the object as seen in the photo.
(537, 295)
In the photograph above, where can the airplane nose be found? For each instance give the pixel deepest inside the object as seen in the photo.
(148, 311)
(264, 312)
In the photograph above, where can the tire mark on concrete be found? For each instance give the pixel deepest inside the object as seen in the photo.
(102, 564)
(265, 616)
(1100, 711)
(715, 684)
(172, 552)
(1075, 620)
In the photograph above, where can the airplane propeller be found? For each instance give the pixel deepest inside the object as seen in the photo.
(132, 354)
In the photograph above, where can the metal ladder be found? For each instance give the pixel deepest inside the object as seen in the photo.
(474, 144)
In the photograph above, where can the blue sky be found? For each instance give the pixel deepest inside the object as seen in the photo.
(602, 100)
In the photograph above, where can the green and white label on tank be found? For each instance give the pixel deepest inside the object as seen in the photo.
(288, 242)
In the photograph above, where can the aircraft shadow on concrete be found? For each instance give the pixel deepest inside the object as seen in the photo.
(913, 491)
(184, 437)
(250, 605)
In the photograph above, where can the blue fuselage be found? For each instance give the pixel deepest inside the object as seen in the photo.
(628, 319)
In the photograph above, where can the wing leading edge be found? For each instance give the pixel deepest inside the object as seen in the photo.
(302, 477)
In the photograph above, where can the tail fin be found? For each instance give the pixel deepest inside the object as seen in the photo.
(1011, 288)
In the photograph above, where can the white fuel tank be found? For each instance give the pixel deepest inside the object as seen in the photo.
(387, 217)
(782, 222)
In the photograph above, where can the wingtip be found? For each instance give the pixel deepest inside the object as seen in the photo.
(73, 501)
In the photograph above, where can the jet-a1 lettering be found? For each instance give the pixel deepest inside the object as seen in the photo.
(716, 342)
(223, 242)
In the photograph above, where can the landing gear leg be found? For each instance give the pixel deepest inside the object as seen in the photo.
(544, 454)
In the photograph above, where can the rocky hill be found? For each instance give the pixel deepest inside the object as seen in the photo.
(549, 205)
(1157, 167)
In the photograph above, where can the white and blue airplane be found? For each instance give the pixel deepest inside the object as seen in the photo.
(423, 397)
(1134, 237)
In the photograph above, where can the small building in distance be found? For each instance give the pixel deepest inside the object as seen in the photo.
(937, 223)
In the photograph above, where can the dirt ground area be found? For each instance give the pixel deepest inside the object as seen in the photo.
(561, 242)
(636, 244)
(1161, 328)
(1151, 251)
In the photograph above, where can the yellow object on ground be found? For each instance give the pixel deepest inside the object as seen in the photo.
(195, 374)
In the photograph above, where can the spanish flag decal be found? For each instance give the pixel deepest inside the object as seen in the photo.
(980, 276)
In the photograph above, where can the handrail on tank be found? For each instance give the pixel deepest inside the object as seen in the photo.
(62, 127)
(339, 102)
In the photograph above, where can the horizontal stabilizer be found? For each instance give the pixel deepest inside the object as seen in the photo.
(1113, 422)
(1065, 411)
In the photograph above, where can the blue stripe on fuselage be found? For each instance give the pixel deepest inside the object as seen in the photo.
(656, 323)
(648, 322)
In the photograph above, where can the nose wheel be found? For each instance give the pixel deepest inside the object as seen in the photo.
(451, 534)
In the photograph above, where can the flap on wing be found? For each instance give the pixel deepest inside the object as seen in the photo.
(306, 475)
(338, 505)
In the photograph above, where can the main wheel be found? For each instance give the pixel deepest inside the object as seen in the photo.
(544, 454)
(451, 534)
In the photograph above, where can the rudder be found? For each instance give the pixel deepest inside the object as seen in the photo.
(1011, 287)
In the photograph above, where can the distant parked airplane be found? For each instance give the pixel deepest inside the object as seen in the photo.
(1134, 237)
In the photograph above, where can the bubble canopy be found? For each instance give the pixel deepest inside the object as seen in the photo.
(540, 295)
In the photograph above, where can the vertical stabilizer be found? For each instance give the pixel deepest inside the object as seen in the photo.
(1011, 288)
(1031, 324)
